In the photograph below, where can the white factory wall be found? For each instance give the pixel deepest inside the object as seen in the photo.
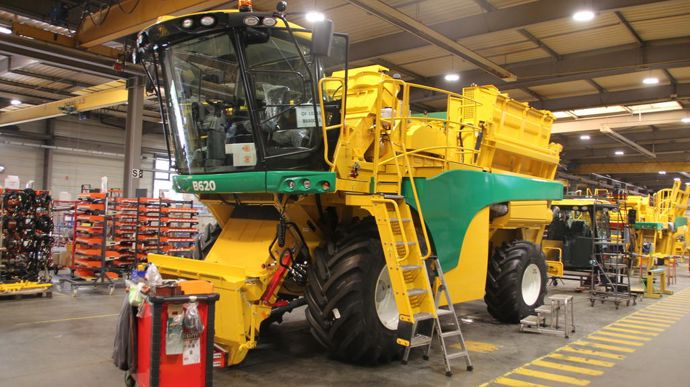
(72, 168)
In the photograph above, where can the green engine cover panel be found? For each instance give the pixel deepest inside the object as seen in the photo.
(252, 182)
(452, 199)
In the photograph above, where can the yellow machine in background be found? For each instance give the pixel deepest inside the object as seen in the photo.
(657, 220)
(332, 191)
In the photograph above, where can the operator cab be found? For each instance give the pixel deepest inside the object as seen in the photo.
(239, 90)
(576, 225)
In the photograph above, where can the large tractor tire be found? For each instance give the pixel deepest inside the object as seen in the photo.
(351, 310)
(516, 281)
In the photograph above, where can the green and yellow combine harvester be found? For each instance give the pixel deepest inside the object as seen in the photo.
(331, 190)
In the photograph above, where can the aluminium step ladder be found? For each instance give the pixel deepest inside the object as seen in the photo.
(437, 329)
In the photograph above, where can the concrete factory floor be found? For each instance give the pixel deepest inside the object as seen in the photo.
(66, 341)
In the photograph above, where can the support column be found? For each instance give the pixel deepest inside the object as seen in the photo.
(48, 155)
(133, 133)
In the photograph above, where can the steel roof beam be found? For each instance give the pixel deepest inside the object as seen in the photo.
(626, 141)
(627, 121)
(540, 44)
(629, 27)
(72, 58)
(624, 97)
(131, 16)
(655, 54)
(519, 16)
(624, 168)
(420, 30)
(51, 78)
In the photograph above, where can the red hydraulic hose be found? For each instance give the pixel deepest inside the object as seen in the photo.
(285, 260)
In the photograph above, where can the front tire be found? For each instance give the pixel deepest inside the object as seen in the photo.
(516, 281)
(341, 294)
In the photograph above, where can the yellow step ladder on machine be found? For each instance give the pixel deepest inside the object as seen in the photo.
(411, 284)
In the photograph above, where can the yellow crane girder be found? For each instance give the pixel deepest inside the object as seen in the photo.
(131, 16)
(78, 104)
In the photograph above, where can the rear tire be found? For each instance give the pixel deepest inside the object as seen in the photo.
(516, 281)
(341, 291)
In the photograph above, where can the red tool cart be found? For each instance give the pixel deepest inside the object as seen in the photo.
(155, 367)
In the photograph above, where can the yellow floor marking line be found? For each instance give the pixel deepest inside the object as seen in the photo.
(552, 377)
(631, 332)
(612, 328)
(633, 320)
(565, 367)
(515, 383)
(479, 346)
(655, 317)
(592, 353)
(638, 327)
(582, 360)
(66, 319)
(615, 341)
(622, 336)
(605, 346)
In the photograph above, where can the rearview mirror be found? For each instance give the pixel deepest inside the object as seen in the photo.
(321, 37)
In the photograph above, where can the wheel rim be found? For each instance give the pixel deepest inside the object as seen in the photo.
(531, 284)
(386, 309)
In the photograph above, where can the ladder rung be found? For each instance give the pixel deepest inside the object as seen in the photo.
(401, 243)
(443, 312)
(456, 355)
(422, 316)
(401, 220)
(393, 197)
(416, 292)
(410, 267)
(456, 332)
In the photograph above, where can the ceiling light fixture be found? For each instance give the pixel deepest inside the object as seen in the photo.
(585, 137)
(650, 81)
(662, 172)
(676, 179)
(619, 153)
(685, 120)
(583, 15)
(15, 102)
(5, 30)
(314, 17)
(452, 77)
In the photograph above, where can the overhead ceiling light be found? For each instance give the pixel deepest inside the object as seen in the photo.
(585, 137)
(584, 15)
(676, 179)
(5, 30)
(685, 120)
(452, 77)
(650, 81)
(2, 168)
(15, 102)
(619, 153)
(314, 17)
(662, 172)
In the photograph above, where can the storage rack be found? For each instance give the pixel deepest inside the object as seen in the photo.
(26, 228)
(178, 227)
(92, 257)
(149, 227)
(124, 231)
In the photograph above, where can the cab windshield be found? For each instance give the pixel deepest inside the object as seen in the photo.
(242, 98)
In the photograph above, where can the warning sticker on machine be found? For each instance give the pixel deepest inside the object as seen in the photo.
(305, 116)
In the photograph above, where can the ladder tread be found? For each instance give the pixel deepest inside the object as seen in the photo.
(410, 267)
(416, 292)
(393, 197)
(456, 332)
(401, 220)
(420, 340)
(401, 243)
(543, 309)
(456, 355)
(443, 312)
